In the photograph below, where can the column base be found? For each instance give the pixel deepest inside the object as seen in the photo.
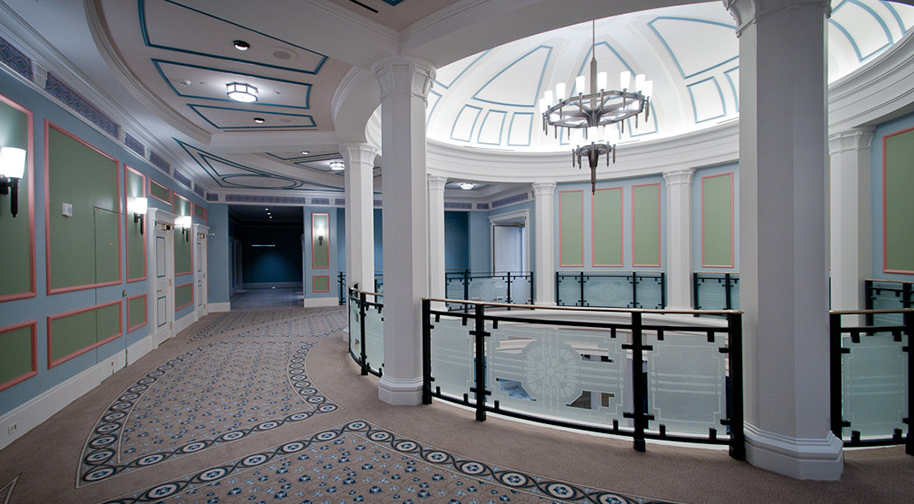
(812, 459)
(400, 392)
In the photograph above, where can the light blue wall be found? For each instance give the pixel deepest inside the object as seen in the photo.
(456, 240)
(219, 253)
(479, 242)
(378, 241)
(888, 128)
(696, 216)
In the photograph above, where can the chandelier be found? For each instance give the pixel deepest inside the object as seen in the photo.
(591, 109)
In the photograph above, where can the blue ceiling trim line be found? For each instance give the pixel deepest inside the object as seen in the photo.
(308, 157)
(720, 92)
(860, 57)
(885, 27)
(454, 80)
(15, 59)
(194, 107)
(252, 172)
(652, 119)
(529, 130)
(733, 85)
(301, 164)
(156, 62)
(896, 15)
(226, 183)
(141, 8)
(469, 138)
(392, 3)
(501, 129)
(539, 84)
(587, 61)
(673, 55)
(432, 110)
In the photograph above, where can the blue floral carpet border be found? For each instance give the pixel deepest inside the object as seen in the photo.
(99, 456)
(204, 485)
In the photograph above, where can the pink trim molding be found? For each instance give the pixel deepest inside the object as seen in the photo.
(145, 313)
(561, 241)
(34, 372)
(704, 264)
(30, 167)
(127, 217)
(52, 318)
(593, 221)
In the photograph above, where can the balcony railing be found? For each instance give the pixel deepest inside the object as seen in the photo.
(872, 385)
(366, 331)
(635, 373)
(499, 287)
(610, 290)
(887, 295)
(715, 291)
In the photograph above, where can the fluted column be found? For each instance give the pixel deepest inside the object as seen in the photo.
(679, 238)
(783, 248)
(544, 243)
(436, 266)
(404, 83)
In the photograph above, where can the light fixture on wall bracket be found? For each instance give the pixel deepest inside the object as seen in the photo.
(12, 168)
(595, 110)
(320, 236)
(185, 222)
(241, 92)
(337, 165)
(138, 206)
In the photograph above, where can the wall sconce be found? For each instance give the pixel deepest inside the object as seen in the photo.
(138, 206)
(184, 222)
(12, 167)
(320, 236)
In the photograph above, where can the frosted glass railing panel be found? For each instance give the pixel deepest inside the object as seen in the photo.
(887, 298)
(712, 291)
(453, 361)
(520, 291)
(650, 293)
(734, 294)
(490, 290)
(687, 383)
(874, 385)
(374, 338)
(355, 329)
(609, 292)
(561, 373)
(569, 291)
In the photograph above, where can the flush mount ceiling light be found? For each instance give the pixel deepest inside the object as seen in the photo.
(241, 92)
(466, 186)
(305, 153)
(241, 45)
(337, 165)
(258, 120)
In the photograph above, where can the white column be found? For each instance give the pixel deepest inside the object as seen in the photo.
(783, 248)
(851, 217)
(404, 83)
(544, 243)
(679, 239)
(359, 159)
(436, 236)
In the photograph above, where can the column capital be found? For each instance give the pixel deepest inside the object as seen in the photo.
(679, 177)
(359, 152)
(749, 12)
(543, 188)
(856, 139)
(436, 182)
(404, 75)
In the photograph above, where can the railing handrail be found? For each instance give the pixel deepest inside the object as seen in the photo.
(613, 272)
(887, 281)
(869, 312)
(367, 293)
(585, 308)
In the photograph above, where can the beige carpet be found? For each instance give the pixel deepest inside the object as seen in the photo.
(421, 454)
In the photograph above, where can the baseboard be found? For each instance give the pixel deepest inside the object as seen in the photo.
(321, 302)
(220, 307)
(137, 350)
(183, 323)
(812, 459)
(160, 337)
(400, 392)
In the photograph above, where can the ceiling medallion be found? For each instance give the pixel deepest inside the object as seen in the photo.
(590, 113)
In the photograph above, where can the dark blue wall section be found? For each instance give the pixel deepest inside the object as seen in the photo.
(456, 240)
(279, 263)
(378, 241)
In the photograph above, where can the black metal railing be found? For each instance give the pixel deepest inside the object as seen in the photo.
(610, 290)
(366, 331)
(887, 295)
(341, 282)
(872, 384)
(499, 287)
(630, 372)
(715, 291)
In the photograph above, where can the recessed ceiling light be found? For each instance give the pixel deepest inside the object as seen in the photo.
(241, 92)
(305, 153)
(466, 186)
(258, 120)
(241, 45)
(337, 165)
(266, 209)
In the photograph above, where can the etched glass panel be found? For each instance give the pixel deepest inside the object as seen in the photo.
(608, 291)
(453, 362)
(650, 292)
(488, 289)
(874, 384)
(355, 329)
(569, 374)
(520, 290)
(569, 291)
(374, 337)
(687, 383)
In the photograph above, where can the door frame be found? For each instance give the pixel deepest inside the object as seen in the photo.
(156, 218)
(516, 218)
(201, 266)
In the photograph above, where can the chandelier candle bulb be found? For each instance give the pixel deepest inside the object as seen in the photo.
(579, 84)
(625, 80)
(639, 83)
(560, 91)
(601, 81)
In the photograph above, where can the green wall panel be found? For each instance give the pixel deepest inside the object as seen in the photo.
(136, 307)
(72, 333)
(899, 205)
(321, 284)
(183, 253)
(87, 179)
(180, 206)
(108, 321)
(607, 227)
(184, 295)
(646, 225)
(136, 245)
(159, 191)
(571, 234)
(320, 223)
(15, 256)
(200, 212)
(717, 220)
(15, 353)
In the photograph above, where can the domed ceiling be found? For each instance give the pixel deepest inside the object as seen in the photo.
(490, 100)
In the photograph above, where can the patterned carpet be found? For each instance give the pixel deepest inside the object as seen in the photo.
(266, 298)
(360, 462)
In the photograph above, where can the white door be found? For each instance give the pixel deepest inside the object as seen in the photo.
(163, 301)
(200, 274)
(508, 249)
